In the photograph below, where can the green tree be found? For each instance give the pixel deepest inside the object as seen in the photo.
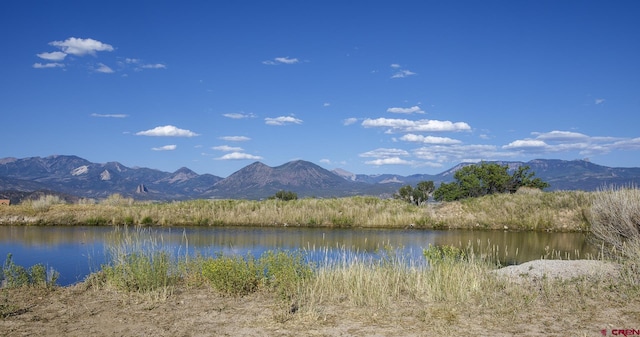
(285, 195)
(417, 195)
(486, 178)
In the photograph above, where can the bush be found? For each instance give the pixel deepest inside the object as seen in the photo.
(16, 276)
(140, 271)
(232, 275)
(285, 195)
(44, 202)
(615, 217)
(487, 178)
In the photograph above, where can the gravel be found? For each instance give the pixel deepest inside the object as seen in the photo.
(560, 269)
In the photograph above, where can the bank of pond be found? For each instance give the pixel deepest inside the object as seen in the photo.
(77, 251)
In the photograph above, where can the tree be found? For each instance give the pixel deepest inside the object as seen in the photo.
(417, 195)
(285, 195)
(486, 178)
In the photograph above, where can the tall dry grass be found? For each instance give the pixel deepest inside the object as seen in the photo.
(537, 211)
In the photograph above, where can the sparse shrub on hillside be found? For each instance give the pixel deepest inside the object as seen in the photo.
(44, 202)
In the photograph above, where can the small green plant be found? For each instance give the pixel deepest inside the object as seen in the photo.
(140, 271)
(284, 271)
(16, 276)
(147, 220)
(439, 254)
(232, 275)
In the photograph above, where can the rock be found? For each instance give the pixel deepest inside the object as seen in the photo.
(141, 189)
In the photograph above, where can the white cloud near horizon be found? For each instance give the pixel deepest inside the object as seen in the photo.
(413, 109)
(568, 141)
(388, 161)
(429, 139)
(165, 148)
(109, 115)
(282, 120)
(227, 148)
(235, 138)
(281, 60)
(239, 156)
(385, 153)
(423, 125)
(167, 131)
(81, 47)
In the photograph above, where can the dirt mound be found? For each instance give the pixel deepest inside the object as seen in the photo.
(562, 269)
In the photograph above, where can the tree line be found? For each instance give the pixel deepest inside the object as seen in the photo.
(473, 181)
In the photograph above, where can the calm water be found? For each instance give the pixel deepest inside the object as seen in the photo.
(77, 251)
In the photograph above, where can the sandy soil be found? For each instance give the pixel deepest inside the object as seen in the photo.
(80, 310)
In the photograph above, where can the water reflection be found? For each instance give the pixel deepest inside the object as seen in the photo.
(76, 251)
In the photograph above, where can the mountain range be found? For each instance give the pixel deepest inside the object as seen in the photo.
(75, 176)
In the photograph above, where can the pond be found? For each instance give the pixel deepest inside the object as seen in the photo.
(77, 251)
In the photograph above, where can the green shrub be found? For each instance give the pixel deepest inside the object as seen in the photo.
(140, 271)
(232, 275)
(283, 271)
(16, 276)
(444, 254)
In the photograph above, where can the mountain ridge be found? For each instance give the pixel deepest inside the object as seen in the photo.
(77, 176)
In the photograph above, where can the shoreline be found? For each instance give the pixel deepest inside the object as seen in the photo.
(545, 211)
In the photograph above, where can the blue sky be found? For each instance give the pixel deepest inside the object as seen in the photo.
(371, 87)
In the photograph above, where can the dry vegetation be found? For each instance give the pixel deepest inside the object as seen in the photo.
(143, 291)
(563, 211)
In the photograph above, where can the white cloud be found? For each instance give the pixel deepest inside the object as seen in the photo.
(167, 131)
(326, 104)
(429, 139)
(561, 136)
(227, 148)
(413, 109)
(165, 148)
(102, 68)
(109, 115)
(239, 115)
(599, 101)
(423, 125)
(388, 161)
(281, 60)
(48, 65)
(350, 121)
(385, 153)
(282, 120)
(81, 47)
(154, 66)
(403, 74)
(528, 144)
(460, 153)
(235, 138)
(53, 56)
(398, 72)
(238, 156)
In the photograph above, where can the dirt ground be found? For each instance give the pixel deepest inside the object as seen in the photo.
(80, 310)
